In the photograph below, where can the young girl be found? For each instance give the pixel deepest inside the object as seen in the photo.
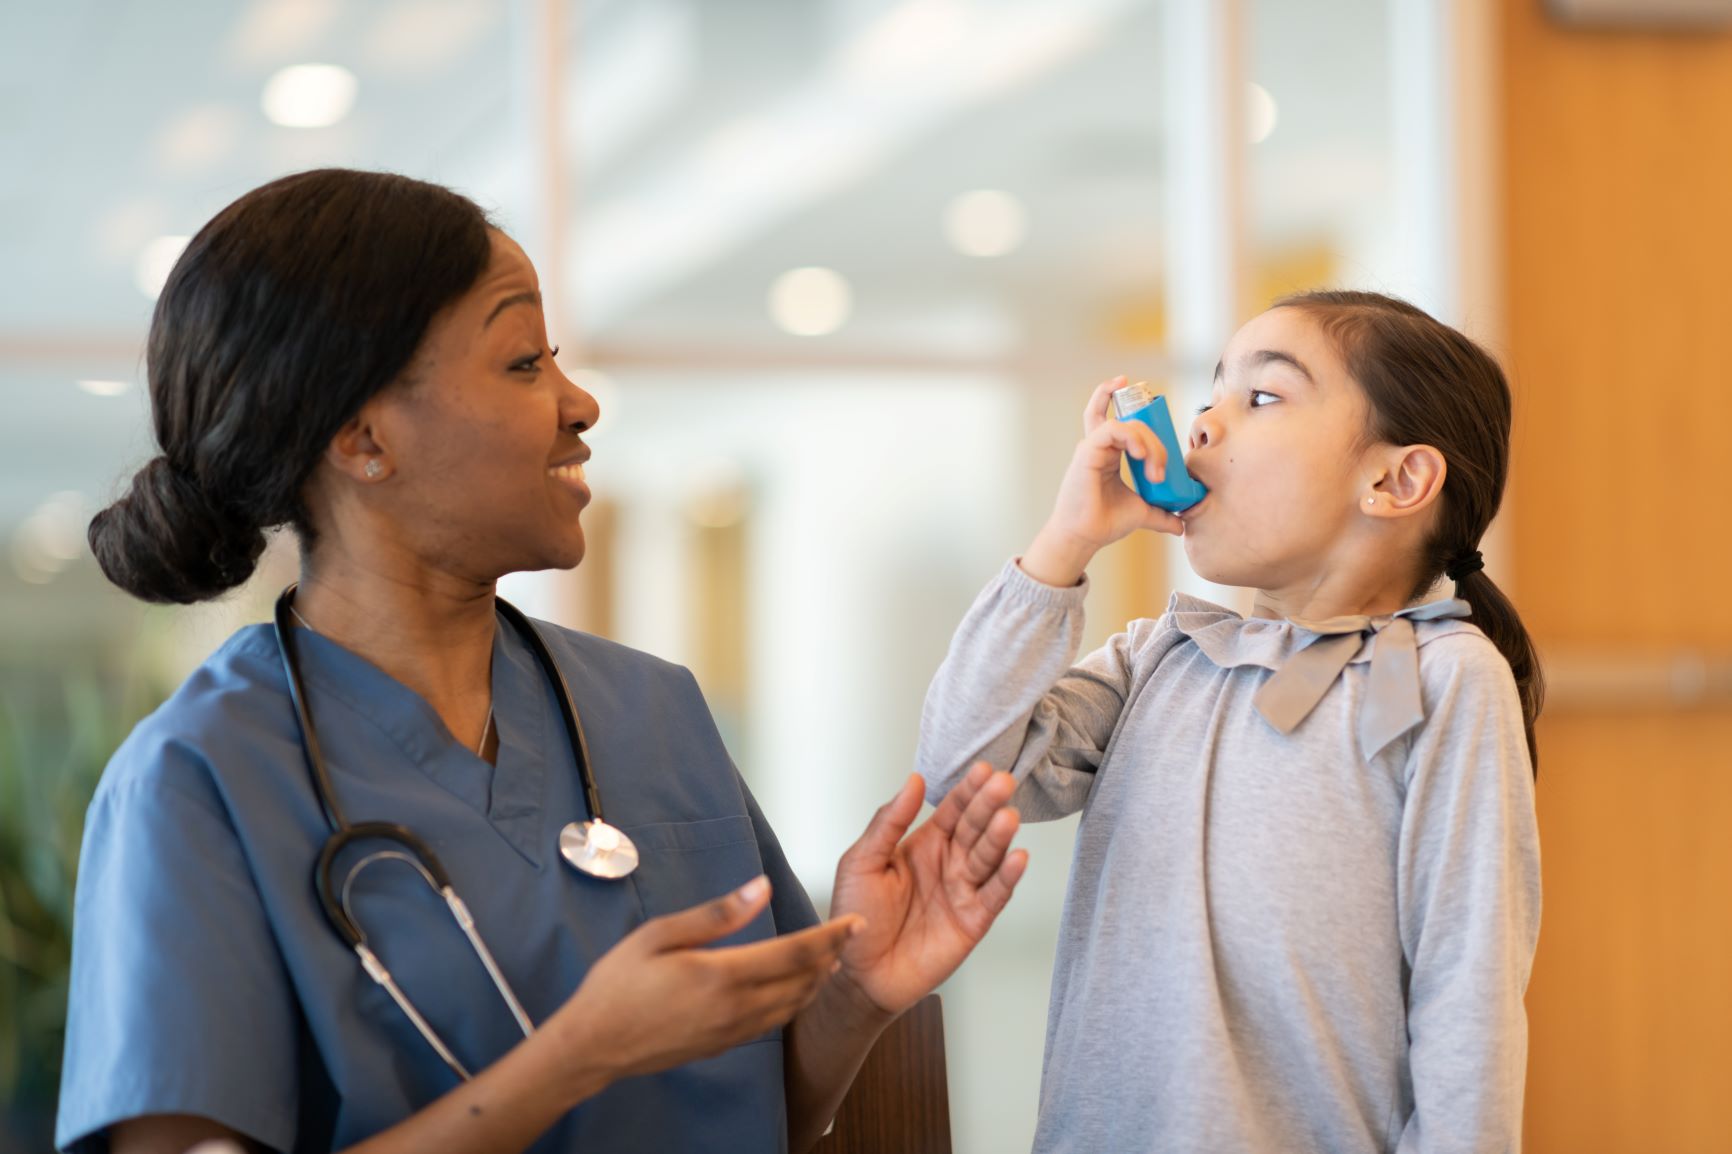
(1306, 893)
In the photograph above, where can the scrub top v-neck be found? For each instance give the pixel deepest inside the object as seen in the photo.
(206, 980)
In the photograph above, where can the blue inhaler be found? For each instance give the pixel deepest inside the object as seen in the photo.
(1179, 491)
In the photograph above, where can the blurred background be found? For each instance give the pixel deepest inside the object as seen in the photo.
(842, 273)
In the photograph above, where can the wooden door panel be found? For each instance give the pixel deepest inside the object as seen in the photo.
(1630, 1008)
(1616, 182)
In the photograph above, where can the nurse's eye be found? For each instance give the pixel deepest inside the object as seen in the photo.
(531, 363)
(1259, 398)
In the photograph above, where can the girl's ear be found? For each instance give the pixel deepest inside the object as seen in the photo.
(1408, 480)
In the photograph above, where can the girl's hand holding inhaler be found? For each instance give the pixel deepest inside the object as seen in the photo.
(1095, 507)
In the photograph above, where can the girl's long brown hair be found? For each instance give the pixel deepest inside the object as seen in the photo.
(1430, 385)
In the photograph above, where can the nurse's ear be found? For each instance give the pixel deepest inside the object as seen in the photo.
(359, 451)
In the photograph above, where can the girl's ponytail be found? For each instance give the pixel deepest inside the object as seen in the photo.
(1497, 618)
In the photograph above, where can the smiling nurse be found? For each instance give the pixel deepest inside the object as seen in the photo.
(363, 357)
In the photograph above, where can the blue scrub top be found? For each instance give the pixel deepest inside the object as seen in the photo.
(206, 980)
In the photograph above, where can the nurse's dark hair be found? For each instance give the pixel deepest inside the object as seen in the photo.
(285, 314)
(1427, 384)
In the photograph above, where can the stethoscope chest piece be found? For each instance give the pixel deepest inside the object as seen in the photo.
(594, 847)
(598, 849)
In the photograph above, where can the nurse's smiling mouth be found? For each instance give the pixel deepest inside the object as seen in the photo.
(569, 473)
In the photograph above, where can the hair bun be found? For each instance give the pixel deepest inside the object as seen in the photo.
(168, 540)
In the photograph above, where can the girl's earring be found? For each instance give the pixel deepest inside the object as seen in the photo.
(1371, 500)
(374, 469)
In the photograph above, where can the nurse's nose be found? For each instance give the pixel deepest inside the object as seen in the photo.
(578, 408)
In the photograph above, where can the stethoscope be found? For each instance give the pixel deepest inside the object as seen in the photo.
(594, 847)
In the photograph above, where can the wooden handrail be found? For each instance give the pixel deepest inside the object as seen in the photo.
(1610, 680)
(900, 1102)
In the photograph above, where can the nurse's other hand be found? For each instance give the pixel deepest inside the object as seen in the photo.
(659, 1000)
(930, 897)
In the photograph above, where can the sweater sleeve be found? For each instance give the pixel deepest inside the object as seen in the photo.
(1469, 894)
(1008, 694)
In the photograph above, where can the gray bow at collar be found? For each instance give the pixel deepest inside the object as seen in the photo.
(1392, 705)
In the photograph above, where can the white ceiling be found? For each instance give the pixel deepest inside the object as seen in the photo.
(711, 144)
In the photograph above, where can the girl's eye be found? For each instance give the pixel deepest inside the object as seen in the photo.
(1201, 409)
(1259, 398)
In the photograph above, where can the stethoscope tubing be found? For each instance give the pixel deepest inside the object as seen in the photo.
(415, 851)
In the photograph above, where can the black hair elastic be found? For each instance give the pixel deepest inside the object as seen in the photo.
(1469, 562)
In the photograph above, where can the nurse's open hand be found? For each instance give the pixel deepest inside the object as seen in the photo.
(930, 897)
(657, 1000)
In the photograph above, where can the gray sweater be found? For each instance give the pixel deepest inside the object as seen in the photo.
(1271, 942)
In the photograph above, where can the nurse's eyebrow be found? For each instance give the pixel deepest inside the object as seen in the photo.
(522, 298)
(1263, 357)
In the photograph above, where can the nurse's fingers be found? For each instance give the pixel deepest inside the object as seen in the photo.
(814, 950)
(706, 922)
(998, 888)
(770, 1005)
(949, 810)
(889, 823)
(987, 853)
(991, 798)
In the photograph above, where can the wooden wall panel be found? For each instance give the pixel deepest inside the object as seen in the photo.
(1618, 226)
(1617, 199)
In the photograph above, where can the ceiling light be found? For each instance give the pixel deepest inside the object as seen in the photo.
(105, 388)
(986, 223)
(1260, 113)
(155, 262)
(810, 302)
(309, 95)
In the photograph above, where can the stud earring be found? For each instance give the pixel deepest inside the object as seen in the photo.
(374, 469)
(1371, 500)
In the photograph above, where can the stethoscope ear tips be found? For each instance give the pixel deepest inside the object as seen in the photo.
(598, 849)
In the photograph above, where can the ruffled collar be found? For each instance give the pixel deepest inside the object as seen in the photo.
(1308, 657)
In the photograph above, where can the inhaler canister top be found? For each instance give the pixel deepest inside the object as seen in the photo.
(1131, 398)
